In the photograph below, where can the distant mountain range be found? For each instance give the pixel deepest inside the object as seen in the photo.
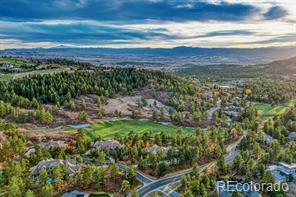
(166, 56)
(280, 68)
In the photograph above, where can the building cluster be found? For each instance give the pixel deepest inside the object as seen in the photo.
(283, 172)
(10, 67)
(233, 109)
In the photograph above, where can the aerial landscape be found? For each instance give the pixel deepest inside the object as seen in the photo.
(148, 98)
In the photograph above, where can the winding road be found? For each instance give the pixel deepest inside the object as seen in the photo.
(211, 111)
(160, 184)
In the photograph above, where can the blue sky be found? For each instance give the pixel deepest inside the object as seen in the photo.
(147, 23)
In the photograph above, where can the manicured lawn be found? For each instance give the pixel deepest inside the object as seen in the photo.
(269, 110)
(108, 129)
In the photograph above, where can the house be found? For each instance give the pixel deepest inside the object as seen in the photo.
(234, 107)
(75, 193)
(30, 151)
(208, 95)
(225, 87)
(10, 67)
(155, 149)
(70, 165)
(283, 172)
(49, 144)
(292, 136)
(232, 113)
(107, 145)
(7, 66)
(53, 144)
(268, 138)
(226, 189)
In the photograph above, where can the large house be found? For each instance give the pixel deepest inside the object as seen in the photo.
(283, 172)
(70, 165)
(49, 144)
(53, 144)
(107, 145)
(155, 149)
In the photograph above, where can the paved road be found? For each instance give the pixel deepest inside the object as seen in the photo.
(232, 149)
(232, 152)
(211, 111)
(160, 183)
(141, 177)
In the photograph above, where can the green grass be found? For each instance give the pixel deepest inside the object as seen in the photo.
(107, 129)
(269, 110)
(6, 77)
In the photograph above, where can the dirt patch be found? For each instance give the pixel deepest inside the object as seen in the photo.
(42, 134)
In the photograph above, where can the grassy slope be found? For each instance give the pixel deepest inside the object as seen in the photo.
(267, 110)
(107, 129)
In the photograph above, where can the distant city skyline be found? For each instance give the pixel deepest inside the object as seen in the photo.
(147, 23)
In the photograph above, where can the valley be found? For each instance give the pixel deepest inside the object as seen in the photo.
(138, 132)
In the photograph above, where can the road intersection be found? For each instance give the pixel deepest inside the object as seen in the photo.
(162, 184)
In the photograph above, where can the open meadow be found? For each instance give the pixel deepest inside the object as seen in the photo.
(108, 129)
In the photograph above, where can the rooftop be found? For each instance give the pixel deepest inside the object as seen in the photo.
(53, 144)
(155, 149)
(49, 164)
(108, 145)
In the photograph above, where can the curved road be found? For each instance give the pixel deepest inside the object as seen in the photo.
(232, 152)
(211, 111)
(159, 183)
(141, 177)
